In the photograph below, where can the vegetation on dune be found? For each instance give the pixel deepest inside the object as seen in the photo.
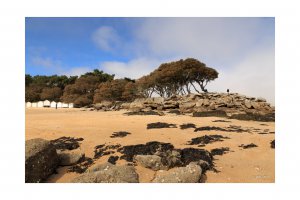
(173, 78)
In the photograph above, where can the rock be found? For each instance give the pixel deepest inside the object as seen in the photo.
(41, 160)
(108, 173)
(255, 105)
(199, 103)
(99, 167)
(248, 104)
(106, 104)
(187, 106)
(206, 102)
(136, 106)
(189, 174)
(153, 162)
(70, 157)
(170, 104)
(158, 100)
(125, 106)
(259, 99)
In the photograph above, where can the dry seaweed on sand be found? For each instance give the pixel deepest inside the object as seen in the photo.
(188, 125)
(82, 166)
(120, 134)
(213, 113)
(66, 143)
(219, 151)
(220, 120)
(113, 159)
(231, 128)
(254, 117)
(151, 112)
(175, 111)
(247, 146)
(206, 139)
(272, 144)
(102, 150)
(164, 150)
(160, 125)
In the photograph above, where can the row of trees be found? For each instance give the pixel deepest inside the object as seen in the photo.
(172, 78)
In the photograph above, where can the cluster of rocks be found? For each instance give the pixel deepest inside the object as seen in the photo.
(173, 165)
(221, 104)
(42, 157)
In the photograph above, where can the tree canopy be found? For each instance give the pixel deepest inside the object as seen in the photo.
(177, 78)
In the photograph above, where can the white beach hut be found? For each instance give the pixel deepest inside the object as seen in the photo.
(34, 105)
(46, 103)
(59, 104)
(53, 104)
(40, 104)
(71, 105)
(28, 104)
(65, 105)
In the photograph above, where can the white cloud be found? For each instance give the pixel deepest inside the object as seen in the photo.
(106, 38)
(133, 69)
(76, 71)
(213, 40)
(44, 62)
(55, 67)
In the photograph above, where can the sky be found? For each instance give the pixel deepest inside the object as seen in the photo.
(242, 50)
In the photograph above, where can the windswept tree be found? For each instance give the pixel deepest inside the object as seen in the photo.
(177, 78)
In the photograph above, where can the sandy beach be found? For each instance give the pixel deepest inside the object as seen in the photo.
(253, 165)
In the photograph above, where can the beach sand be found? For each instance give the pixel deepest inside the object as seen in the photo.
(253, 165)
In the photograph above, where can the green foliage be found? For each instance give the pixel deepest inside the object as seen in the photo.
(116, 90)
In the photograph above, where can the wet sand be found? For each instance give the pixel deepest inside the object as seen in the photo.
(237, 166)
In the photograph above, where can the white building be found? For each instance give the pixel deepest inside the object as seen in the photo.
(53, 104)
(71, 105)
(40, 104)
(34, 105)
(46, 103)
(59, 104)
(28, 104)
(65, 105)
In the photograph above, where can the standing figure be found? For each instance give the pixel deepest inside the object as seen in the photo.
(228, 91)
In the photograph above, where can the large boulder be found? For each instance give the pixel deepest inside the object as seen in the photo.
(107, 173)
(189, 174)
(70, 157)
(41, 160)
(248, 104)
(153, 162)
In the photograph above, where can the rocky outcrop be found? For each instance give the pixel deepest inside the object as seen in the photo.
(206, 104)
(41, 160)
(108, 173)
